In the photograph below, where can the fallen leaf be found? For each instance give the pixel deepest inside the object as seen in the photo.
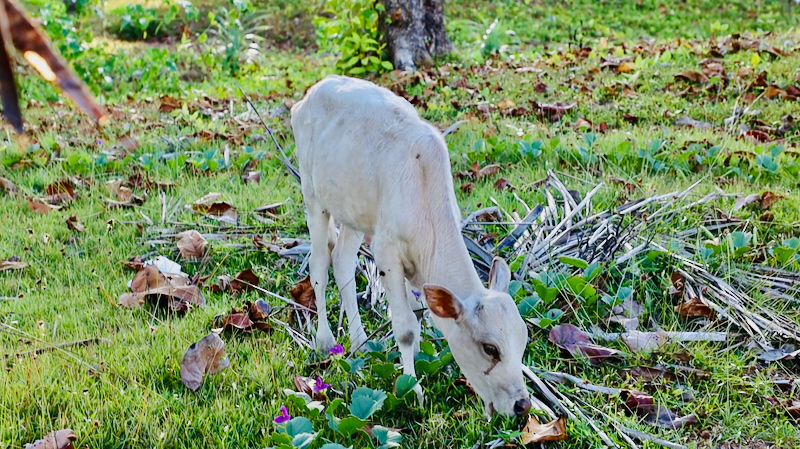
(245, 280)
(746, 201)
(468, 187)
(191, 245)
(649, 374)
(269, 209)
(692, 77)
(694, 307)
(74, 224)
(685, 120)
(506, 104)
(626, 67)
(149, 277)
(627, 313)
(658, 415)
(150, 284)
(8, 186)
(207, 356)
(535, 432)
(644, 342)
(774, 92)
(503, 184)
(12, 263)
(303, 294)
(630, 118)
(489, 170)
(59, 439)
(553, 111)
(252, 177)
(306, 385)
(40, 206)
(134, 263)
(757, 136)
(221, 211)
(577, 343)
(768, 199)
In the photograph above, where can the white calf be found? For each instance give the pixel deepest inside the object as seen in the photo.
(368, 161)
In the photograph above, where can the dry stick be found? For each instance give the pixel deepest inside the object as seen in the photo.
(642, 436)
(612, 421)
(603, 436)
(282, 156)
(275, 295)
(63, 345)
(545, 391)
(475, 214)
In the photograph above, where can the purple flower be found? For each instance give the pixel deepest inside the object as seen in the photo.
(337, 349)
(320, 385)
(283, 417)
(416, 293)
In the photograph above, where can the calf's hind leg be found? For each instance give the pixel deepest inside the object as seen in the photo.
(319, 226)
(345, 259)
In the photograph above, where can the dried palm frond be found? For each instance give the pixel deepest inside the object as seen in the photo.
(18, 30)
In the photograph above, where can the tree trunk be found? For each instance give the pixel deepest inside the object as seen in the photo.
(414, 32)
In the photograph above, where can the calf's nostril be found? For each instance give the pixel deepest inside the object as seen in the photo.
(522, 407)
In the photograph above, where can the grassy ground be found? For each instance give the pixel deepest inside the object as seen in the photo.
(128, 393)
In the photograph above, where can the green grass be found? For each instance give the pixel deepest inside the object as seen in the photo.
(129, 394)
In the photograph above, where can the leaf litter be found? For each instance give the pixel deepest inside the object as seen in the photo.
(206, 356)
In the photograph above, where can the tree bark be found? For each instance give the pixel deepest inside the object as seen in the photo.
(414, 32)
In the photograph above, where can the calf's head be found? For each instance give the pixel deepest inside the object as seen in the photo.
(487, 337)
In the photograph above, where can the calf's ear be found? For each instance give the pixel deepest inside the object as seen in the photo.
(499, 275)
(443, 303)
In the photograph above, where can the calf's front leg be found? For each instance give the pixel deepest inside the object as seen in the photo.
(405, 325)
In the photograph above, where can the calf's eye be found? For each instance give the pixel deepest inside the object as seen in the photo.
(491, 351)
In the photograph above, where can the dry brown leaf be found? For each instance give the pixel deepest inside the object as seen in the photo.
(694, 307)
(503, 184)
(468, 187)
(245, 280)
(74, 224)
(12, 263)
(40, 206)
(506, 104)
(626, 67)
(774, 92)
(173, 291)
(768, 199)
(149, 277)
(692, 77)
(577, 343)
(535, 432)
(134, 263)
(8, 186)
(124, 194)
(649, 374)
(221, 211)
(657, 415)
(303, 294)
(207, 356)
(269, 209)
(59, 439)
(191, 244)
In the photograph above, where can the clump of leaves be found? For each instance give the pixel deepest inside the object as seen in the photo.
(353, 32)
